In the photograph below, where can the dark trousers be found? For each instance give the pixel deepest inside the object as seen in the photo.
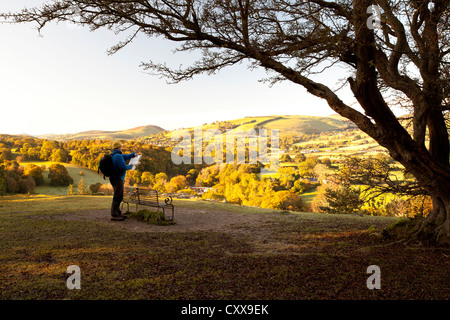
(117, 184)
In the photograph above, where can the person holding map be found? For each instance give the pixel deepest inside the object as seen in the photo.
(118, 179)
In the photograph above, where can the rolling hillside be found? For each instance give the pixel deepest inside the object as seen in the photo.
(289, 125)
(99, 134)
(286, 124)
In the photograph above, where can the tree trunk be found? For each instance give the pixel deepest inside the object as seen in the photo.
(435, 228)
(434, 176)
(430, 167)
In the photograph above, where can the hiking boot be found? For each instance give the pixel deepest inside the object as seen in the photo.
(118, 218)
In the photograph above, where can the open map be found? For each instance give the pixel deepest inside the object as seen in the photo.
(135, 161)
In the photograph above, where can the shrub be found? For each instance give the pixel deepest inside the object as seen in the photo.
(212, 196)
(160, 188)
(11, 185)
(27, 185)
(82, 188)
(95, 187)
(402, 228)
(286, 200)
(188, 191)
(106, 189)
(59, 176)
(344, 199)
(152, 217)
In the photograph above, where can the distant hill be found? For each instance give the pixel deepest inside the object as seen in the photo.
(137, 132)
(286, 124)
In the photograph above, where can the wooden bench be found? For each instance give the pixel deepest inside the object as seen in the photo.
(147, 197)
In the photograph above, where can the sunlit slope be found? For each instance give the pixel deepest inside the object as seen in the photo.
(293, 125)
(285, 124)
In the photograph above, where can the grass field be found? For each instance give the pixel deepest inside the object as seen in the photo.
(77, 173)
(262, 254)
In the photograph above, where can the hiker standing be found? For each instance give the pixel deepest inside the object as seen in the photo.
(118, 178)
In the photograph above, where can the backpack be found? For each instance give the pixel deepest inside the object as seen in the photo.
(106, 166)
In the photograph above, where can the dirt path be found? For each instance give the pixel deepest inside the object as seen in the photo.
(187, 220)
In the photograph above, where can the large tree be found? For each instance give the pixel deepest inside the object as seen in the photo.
(404, 59)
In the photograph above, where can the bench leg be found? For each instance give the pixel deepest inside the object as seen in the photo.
(164, 212)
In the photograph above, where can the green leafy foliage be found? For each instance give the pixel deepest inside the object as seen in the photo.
(152, 217)
(343, 200)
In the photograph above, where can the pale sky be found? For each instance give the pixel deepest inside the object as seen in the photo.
(64, 82)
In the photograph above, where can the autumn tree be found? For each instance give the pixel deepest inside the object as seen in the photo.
(29, 152)
(47, 149)
(176, 183)
(59, 155)
(147, 178)
(191, 176)
(160, 182)
(287, 200)
(306, 168)
(5, 154)
(82, 188)
(161, 178)
(59, 176)
(35, 172)
(402, 58)
(70, 190)
(2, 180)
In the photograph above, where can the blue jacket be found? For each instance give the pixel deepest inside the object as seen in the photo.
(119, 162)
